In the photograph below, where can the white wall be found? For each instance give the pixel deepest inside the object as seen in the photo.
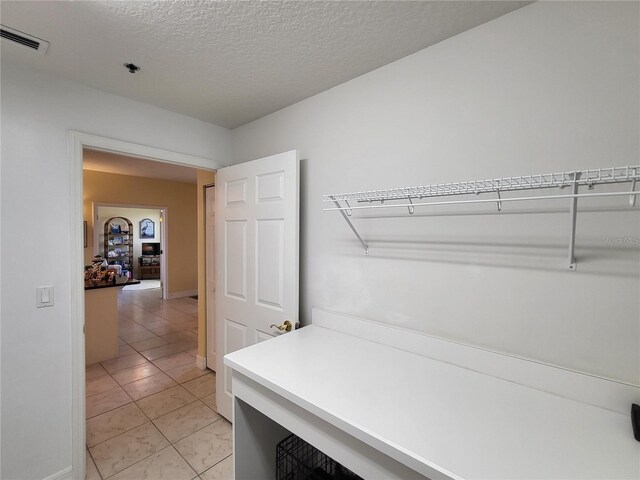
(37, 113)
(551, 87)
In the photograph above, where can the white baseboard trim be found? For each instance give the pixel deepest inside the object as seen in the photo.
(201, 362)
(65, 474)
(186, 293)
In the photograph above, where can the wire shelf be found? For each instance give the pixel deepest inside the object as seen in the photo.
(573, 179)
(588, 177)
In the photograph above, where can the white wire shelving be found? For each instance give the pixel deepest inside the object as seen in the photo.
(412, 197)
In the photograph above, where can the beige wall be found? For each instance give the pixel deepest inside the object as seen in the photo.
(180, 200)
(204, 178)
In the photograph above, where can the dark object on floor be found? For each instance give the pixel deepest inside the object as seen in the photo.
(635, 420)
(297, 460)
(195, 297)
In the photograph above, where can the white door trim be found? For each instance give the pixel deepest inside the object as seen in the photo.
(76, 142)
(210, 277)
(162, 228)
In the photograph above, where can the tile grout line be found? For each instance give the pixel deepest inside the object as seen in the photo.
(135, 402)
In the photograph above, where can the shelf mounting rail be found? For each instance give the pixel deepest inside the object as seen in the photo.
(411, 197)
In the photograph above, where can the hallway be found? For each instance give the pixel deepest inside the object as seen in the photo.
(151, 414)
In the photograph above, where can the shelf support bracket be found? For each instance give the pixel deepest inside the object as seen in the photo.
(573, 216)
(353, 229)
(632, 198)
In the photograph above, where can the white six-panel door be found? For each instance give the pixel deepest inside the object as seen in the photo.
(257, 211)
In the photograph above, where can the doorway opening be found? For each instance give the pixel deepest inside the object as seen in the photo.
(78, 144)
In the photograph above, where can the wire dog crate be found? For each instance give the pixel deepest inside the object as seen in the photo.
(298, 460)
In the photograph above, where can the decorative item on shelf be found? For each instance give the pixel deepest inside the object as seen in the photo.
(147, 228)
(97, 272)
(115, 229)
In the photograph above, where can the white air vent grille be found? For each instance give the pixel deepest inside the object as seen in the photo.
(24, 39)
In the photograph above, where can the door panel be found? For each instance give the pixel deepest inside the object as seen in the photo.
(270, 263)
(270, 187)
(257, 209)
(236, 192)
(235, 259)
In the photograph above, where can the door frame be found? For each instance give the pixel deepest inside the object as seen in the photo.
(163, 228)
(76, 141)
(210, 278)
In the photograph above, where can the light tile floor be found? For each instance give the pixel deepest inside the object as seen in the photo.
(151, 414)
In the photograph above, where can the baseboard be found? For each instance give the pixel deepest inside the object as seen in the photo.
(201, 362)
(65, 474)
(186, 293)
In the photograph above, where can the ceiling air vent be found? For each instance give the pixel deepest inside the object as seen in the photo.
(24, 39)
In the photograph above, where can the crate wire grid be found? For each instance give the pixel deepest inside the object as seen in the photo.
(299, 460)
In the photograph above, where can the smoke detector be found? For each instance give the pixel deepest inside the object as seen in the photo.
(29, 41)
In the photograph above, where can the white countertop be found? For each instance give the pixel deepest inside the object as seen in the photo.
(438, 417)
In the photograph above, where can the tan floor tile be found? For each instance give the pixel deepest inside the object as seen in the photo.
(121, 342)
(179, 337)
(91, 472)
(187, 344)
(206, 447)
(137, 336)
(186, 420)
(184, 373)
(184, 325)
(193, 352)
(174, 315)
(156, 322)
(163, 351)
(191, 308)
(220, 471)
(164, 330)
(173, 361)
(129, 328)
(113, 423)
(125, 350)
(93, 371)
(202, 386)
(103, 402)
(99, 385)
(128, 448)
(148, 386)
(167, 464)
(138, 372)
(210, 401)
(165, 401)
(149, 319)
(121, 363)
(149, 343)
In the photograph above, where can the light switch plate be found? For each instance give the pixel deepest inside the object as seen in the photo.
(44, 296)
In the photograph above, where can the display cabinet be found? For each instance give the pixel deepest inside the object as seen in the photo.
(118, 242)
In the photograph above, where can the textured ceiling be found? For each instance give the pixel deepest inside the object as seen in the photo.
(99, 161)
(231, 62)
